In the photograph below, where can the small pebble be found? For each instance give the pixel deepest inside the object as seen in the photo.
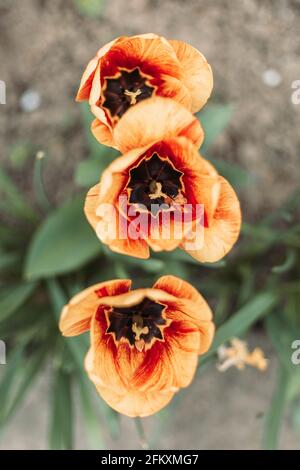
(272, 78)
(30, 101)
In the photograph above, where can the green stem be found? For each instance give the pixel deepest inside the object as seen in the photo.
(38, 182)
(141, 433)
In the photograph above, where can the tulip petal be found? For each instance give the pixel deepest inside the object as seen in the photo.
(102, 132)
(135, 403)
(109, 225)
(76, 315)
(223, 229)
(197, 77)
(198, 314)
(178, 288)
(170, 364)
(155, 56)
(108, 364)
(88, 75)
(153, 120)
(182, 343)
(201, 180)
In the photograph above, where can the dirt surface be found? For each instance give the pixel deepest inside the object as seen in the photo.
(46, 45)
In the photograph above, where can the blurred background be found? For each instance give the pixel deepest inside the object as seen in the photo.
(254, 49)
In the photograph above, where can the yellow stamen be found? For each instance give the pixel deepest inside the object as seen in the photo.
(139, 330)
(156, 190)
(133, 95)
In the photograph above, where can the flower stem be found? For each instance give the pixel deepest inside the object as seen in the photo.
(141, 432)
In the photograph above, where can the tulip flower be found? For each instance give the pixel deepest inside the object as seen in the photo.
(145, 343)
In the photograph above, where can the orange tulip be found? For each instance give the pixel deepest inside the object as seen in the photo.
(161, 194)
(144, 343)
(131, 69)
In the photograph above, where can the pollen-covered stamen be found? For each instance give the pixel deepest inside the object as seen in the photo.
(154, 183)
(133, 95)
(139, 324)
(124, 90)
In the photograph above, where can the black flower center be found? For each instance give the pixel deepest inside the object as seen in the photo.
(139, 324)
(125, 90)
(155, 184)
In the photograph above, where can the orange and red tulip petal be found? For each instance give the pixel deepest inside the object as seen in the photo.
(198, 77)
(223, 230)
(153, 120)
(135, 403)
(76, 315)
(178, 288)
(88, 75)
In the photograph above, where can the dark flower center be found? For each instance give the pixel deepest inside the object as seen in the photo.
(125, 90)
(139, 324)
(154, 183)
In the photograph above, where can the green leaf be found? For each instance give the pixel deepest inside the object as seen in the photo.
(8, 260)
(274, 415)
(63, 243)
(89, 7)
(13, 298)
(88, 172)
(214, 118)
(57, 297)
(288, 263)
(14, 202)
(61, 427)
(91, 419)
(19, 154)
(282, 335)
(296, 418)
(235, 174)
(24, 371)
(243, 319)
(8, 378)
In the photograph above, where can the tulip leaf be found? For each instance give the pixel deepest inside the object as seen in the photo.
(274, 415)
(61, 428)
(63, 243)
(282, 335)
(19, 154)
(287, 265)
(12, 201)
(88, 171)
(8, 260)
(91, 8)
(91, 419)
(214, 118)
(12, 298)
(235, 174)
(8, 378)
(20, 375)
(243, 319)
